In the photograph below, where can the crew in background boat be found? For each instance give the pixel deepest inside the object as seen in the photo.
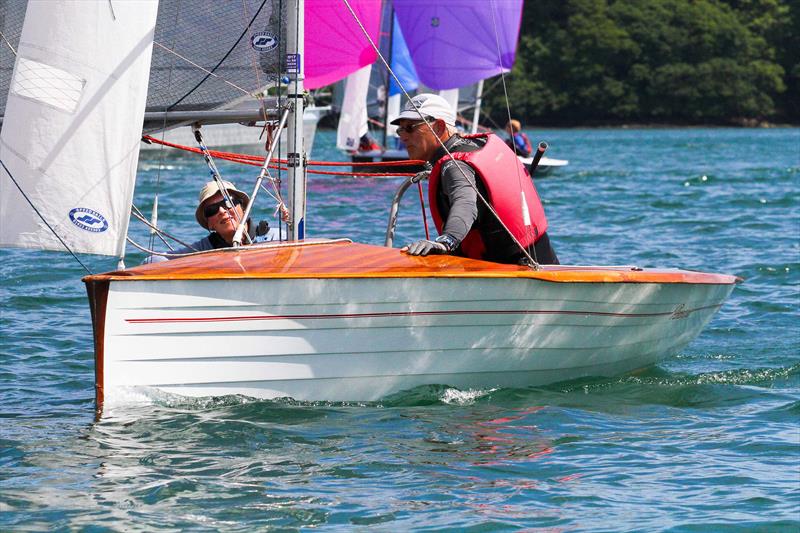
(465, 224)
(517, 140)
(220, 221)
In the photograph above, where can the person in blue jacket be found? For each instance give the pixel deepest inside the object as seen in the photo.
(517, 140)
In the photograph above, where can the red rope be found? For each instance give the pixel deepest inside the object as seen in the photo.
(257, 160)
(232, 157)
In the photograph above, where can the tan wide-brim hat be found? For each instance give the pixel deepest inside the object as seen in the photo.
(210, 189)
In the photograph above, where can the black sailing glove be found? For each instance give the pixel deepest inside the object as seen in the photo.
(442, 245)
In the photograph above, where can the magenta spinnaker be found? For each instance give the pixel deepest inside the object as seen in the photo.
(335, 45)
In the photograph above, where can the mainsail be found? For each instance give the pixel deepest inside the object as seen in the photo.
(455, 43)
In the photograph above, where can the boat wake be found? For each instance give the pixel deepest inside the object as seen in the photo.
(653, 385)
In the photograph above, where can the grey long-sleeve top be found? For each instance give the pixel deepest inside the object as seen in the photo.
(457, 184)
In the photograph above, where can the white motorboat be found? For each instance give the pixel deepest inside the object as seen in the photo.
(314, 320)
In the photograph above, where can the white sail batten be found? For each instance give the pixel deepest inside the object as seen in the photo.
(67, 136)
(353, 117)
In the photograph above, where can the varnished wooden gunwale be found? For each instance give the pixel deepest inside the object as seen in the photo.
(344, 259)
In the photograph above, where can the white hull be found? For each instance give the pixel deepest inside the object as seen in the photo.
(361, 339)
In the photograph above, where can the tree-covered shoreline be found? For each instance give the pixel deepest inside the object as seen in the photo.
(654, 63)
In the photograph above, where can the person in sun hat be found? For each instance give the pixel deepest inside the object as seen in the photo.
(466, 225)
(517, 140)
(214, 214)
(220, 219)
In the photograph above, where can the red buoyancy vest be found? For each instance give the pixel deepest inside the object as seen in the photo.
(504, 177)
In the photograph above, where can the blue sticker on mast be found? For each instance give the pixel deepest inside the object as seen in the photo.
(293, 63)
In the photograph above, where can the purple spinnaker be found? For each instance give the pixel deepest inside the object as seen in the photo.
(453, 42)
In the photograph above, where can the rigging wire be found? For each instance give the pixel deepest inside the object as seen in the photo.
(156, 43)
(8, 43)
(491, 209)
(150, 251)
(138, 214)
(19, 188)
(154, 230)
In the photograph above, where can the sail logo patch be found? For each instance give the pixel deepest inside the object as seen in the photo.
(88, 219)
(264, 41)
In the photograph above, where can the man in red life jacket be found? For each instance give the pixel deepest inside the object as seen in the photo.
(483, 162)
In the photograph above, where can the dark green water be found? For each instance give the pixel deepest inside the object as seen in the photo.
(707, 441)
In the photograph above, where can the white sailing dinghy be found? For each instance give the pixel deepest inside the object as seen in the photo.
(312, 320)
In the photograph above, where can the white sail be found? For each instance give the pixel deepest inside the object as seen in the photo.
(67, 138)
(353, 117)
(393, 111)
(451, 95)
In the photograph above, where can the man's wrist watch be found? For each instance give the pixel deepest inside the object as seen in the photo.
(448, 241)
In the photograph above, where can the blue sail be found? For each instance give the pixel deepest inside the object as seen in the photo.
(402, 65)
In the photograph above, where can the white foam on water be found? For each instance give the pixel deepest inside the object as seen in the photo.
(464, 397)
(118, 396)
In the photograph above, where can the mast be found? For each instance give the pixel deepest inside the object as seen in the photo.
(476, 116)
(296, 147)
(388, 77)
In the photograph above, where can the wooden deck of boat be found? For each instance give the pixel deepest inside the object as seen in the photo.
(345, 259)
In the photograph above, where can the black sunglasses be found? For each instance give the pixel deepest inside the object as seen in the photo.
(409, 128)
(211, 209)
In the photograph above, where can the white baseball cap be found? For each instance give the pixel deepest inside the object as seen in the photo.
(429, 105)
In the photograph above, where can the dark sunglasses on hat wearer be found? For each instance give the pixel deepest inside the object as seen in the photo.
(212, 209)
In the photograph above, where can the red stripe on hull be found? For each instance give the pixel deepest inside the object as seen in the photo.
(679, 312)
